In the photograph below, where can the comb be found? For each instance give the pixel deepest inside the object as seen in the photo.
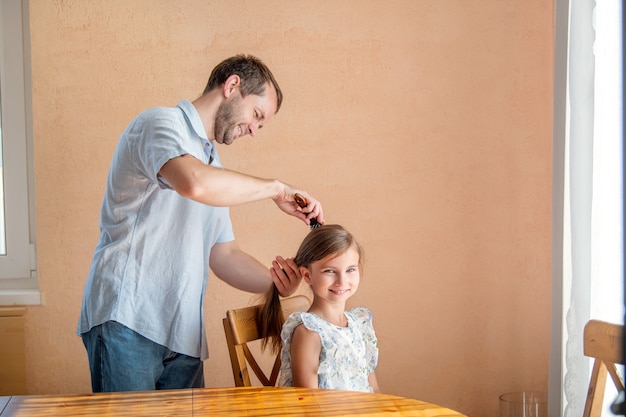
(303, 203)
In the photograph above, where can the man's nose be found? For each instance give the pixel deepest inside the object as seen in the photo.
(252, 129)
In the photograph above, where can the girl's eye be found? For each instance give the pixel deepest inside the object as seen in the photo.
(328, 271)
(351, 270)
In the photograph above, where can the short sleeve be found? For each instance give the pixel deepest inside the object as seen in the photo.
(161, 141)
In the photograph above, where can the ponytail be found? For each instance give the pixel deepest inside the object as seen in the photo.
(270, 320)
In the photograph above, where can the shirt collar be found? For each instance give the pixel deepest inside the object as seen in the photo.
(194, 118)
(191, 113)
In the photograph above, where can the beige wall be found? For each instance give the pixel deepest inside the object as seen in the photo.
(423, 126)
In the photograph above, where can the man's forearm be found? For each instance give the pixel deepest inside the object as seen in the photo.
(216, 186)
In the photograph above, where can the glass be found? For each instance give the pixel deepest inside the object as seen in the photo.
(524, 404)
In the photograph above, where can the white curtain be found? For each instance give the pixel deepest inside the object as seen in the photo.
(587, 191)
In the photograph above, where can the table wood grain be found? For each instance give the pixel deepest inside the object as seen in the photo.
(231, 402)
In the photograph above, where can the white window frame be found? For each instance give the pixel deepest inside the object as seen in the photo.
(18, 270)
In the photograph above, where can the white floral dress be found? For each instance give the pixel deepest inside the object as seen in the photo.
(349, 354)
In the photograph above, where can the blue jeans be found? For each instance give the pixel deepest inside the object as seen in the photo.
(123, 360)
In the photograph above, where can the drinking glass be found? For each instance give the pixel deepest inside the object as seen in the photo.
(524, 404)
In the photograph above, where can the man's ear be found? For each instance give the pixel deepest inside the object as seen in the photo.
(306, 274)
(231, 84)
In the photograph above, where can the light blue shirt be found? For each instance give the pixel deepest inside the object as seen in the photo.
(151, 264)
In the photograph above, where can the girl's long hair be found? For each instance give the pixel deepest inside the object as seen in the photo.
(324, 241)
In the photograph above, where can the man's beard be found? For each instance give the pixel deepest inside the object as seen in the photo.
(225, 121)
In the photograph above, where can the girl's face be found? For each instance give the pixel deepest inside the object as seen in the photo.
(334, 278)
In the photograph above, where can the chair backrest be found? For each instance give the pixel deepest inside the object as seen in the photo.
(603, 342)
(240, 328)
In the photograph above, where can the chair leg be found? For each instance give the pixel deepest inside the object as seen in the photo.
(617, 380)
(595, 394)
(237, 371)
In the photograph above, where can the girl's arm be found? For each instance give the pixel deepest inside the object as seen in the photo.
(373, 381)
(306, 347)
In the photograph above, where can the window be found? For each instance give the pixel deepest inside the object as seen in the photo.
(587, 192)
(607, 282)
(17, 239)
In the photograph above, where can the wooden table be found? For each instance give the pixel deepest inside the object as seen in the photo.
(231, 402)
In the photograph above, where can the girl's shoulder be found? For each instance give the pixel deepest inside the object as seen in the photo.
(360, 313)
(310, 320)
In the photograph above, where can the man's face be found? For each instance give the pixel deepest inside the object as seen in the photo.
(240, 116)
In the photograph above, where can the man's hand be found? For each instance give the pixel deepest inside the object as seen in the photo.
(286, 202)
(286, 275)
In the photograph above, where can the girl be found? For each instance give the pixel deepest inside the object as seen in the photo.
(326, 347)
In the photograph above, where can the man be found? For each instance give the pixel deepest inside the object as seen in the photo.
(165, 220)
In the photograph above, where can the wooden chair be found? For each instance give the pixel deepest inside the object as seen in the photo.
(240, 328)
(602, 341)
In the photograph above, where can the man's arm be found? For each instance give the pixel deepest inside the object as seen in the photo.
(221, 187)
(242, 271)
